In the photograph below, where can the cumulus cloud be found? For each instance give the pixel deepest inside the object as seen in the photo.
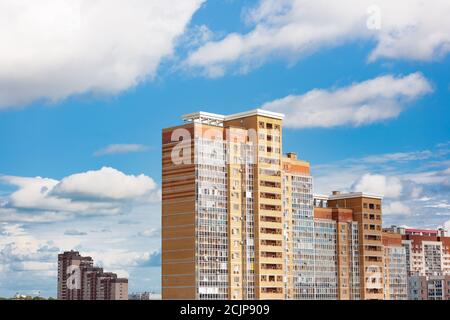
(104, 184)
(362, 103)
(389, 187)
(120, 148)
(402, 29)
(103, 192)
(118, 258)
(52, 49)
(21, 251)
(396, 208)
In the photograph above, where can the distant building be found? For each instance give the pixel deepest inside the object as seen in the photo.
(336, 254)
(427, 262)
(395, 274)
(354, 259)
(79, 279)
(144, 296)
(359, 229)
(429, 287)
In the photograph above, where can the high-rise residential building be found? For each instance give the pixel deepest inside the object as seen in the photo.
(395, 274)
(427, 251)
(366, 212)
(79, 279)
(336, 255)
(69, 277)
(298, 224)
(222, 217)
(349, 241)
(427, 262)
(239, 220)
(429, 287)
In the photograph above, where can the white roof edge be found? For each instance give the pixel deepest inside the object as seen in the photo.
(320, 196)
(220, 117)
(355, 195)
(256, 112)
(214, 116)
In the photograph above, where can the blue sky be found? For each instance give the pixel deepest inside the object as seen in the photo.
(103, 105)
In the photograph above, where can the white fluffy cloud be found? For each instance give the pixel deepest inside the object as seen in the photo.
(21, 251)
(105, 184)
(103, 192)
(401, 29)
(362, 103)
(118, 258)
(389, 187)
(52, 49)
(396, 208)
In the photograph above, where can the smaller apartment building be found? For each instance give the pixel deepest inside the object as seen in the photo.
(395, 275)
(79, 279)
(429, 288)
(366, 262)
(336, 254)
(427, 262)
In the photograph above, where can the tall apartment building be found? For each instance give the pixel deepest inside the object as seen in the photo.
(395, 273)
(79, 279)
(239, 219)
(427, 262)
(222, 217)
(366, 211)
(349, 225)
(298, 227)
(427, 251)
(336, 256)
(429, 287)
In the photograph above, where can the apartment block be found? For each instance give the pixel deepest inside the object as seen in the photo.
(427, 251)
(240, 221)
(427, 262)
(298, 217)
(79, 279)
(69, 277)
(222, 217)
(395, 273)
(336, 256)
(429, 287)
(366, 212)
